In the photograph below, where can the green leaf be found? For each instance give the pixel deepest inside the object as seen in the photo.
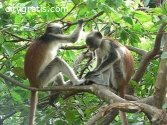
(157, 11)
(88, 110)
(1, 39)
(124, 35)
(71, 55)
(164, 106)
(107, 30)
(80, 112)
(69, 18)
(160, 22)
(51, 1)
(164, 55)
(77, 1)
(137, 28)
(8, 49)
(108, 10)
(18, 19)
(114, 3)
(146, 2)
(16, 96)
(133, 83)
(70, 116)
(91, 4)
(128, 19)
(19, 72)
(23, 1)
(165, 7)
(142, 16)
(114, 11)
(134, 39)
(35, 3)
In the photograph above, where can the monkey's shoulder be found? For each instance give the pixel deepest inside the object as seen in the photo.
(48, 37)
(112, 46)
(107, 42)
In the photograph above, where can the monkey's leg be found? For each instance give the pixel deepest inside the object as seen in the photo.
(59, 79)
(56, 66)
(101, 79)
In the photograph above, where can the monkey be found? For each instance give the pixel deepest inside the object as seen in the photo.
(41, 65)
(114, 64)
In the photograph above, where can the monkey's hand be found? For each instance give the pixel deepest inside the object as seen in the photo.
(80, 22)
(91, 73)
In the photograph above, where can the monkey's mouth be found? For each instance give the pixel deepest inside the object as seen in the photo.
(91, 49)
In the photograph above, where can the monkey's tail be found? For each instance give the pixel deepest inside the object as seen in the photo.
(123, 118)
(33, 104)
(121, 93)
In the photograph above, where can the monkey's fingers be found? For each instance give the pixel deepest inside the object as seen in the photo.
(89, 74)
(80, 82)
(80, 21)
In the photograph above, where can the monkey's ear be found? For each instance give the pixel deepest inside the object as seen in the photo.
(98, 34)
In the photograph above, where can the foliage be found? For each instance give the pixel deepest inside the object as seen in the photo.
(131, 23)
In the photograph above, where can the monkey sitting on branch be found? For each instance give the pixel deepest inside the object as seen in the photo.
(41, 65)
(114, 64)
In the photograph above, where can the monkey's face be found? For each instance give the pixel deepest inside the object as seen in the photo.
(92, 43)
(93, 40)
(57, 31)
(54, 28)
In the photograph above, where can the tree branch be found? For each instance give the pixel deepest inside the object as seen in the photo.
(60, 88)
(161, 83)
(73, 47)
(149, 55)
(138, 51)
(19, 38)
(7, 116)
(154, 114)
(85, 20)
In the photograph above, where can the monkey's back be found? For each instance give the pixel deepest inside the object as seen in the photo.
(123, 68)
(35, 59)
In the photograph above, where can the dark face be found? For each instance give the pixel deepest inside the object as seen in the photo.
(92, 43)
(93, 40)
(57, 30)
(54, 30)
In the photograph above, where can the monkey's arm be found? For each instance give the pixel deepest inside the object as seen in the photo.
(112, 57)
(99, 61)
(72, 38)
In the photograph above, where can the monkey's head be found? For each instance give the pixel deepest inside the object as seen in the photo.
(54, 28)
(93, 40)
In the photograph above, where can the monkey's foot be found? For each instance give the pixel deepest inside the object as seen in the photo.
(68, 83)
(79, 82)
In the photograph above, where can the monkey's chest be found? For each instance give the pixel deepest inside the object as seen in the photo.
(53, 51)
(103, 54)
(50, 55)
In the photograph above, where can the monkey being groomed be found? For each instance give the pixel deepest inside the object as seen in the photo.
(114, 64)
